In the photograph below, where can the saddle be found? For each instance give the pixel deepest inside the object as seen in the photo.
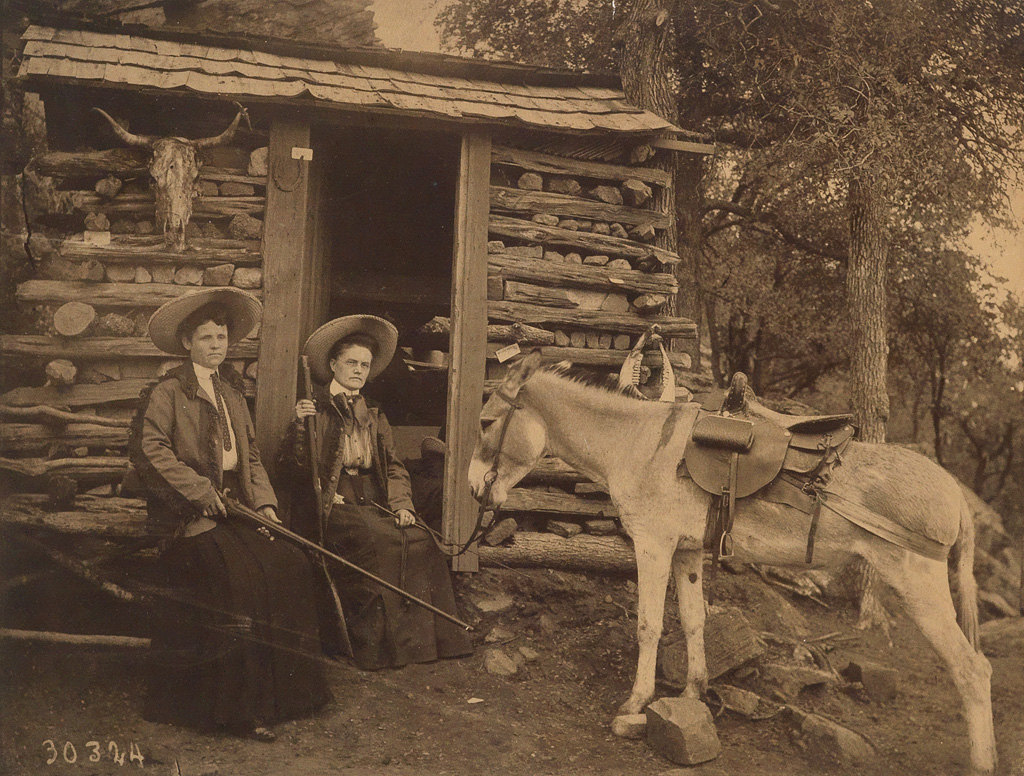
(739, 447)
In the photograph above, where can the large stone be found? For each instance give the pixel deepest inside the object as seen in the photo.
(738, 700)
(500, 532)
(247, 277)
(564, 528)
(163, 274)
(219, 275)
(828, 740)
(498, 663)
(235, 189)
(788, 681)
(498, 602)
(597, 260)
(258, 162)
(143, 275)
(545, 219)
(97, 222)
(189, 276)
(881, 683)
(108, 187)
(682, 730)
(208, 189)
(607, 194)
(569, 186)
(245, 227)
(526, 251)
(530, 181)
(637, 193)
(121, 273)
(495, 246)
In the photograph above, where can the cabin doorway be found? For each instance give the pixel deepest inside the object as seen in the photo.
(388, 221)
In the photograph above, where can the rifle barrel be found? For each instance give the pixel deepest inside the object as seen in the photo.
(240, 509)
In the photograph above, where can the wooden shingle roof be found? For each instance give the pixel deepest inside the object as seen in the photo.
(117, 59)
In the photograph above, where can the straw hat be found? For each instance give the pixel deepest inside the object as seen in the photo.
(432, 446)
(243, 310)
(321, 341)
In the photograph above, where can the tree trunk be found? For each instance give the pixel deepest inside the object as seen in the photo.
(865, 287)
(866, 300)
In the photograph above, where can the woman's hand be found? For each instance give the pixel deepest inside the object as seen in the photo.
(304, 408)
(404, 518)
(215, 509)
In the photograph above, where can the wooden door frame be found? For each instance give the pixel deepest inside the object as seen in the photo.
(468, 346)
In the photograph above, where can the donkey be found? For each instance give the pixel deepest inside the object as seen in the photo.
(174, 169)
(635, 447)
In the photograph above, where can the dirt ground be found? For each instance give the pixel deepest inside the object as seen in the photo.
(552, 717)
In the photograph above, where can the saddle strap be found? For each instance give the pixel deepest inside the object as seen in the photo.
(721, 515)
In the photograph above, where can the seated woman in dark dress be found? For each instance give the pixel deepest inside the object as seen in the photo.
(359, 468)
(238, 647)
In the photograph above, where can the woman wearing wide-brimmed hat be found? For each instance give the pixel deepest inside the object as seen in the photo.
(361, 473)
(237, 642)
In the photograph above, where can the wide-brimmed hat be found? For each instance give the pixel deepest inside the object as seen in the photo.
(320, 343)
(432, 446)
(243, 311)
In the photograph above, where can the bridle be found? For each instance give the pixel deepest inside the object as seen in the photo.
(492, 474)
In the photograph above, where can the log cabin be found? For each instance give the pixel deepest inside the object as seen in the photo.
(483, 207)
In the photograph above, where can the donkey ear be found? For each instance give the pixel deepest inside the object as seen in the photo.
(520, 372)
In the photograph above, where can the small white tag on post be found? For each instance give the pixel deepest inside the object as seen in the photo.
(302, 153)
(507, 352)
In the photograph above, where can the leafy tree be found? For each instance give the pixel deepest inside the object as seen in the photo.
(888, 118)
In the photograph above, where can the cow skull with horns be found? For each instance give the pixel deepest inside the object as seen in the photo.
(174, 169)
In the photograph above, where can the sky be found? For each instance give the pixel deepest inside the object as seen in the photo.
(408, 24)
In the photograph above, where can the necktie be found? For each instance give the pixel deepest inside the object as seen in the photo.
(222, 415)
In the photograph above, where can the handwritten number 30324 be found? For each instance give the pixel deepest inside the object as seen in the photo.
(70, 754)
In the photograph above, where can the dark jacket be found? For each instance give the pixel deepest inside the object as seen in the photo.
(388, 471)
(176, 447)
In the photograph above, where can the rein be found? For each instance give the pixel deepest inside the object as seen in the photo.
(491, 476)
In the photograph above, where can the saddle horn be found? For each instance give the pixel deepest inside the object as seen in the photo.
(736, 396)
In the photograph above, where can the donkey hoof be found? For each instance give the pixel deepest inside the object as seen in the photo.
(630, 725)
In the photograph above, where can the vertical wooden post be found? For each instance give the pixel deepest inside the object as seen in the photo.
(468, 340)
(292, 271)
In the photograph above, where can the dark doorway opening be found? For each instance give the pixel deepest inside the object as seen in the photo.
(389, 220)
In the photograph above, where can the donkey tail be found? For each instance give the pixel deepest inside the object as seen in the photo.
(962, 556)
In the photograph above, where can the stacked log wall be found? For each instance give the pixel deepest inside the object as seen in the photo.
(577, 268)
(74, 375)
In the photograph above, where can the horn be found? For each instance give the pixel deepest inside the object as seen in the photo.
(127, 137)
(223, 137)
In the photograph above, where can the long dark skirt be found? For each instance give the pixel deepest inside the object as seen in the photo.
(237, 641)
(385, 629)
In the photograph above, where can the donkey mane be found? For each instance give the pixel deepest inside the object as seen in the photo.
(606, 383)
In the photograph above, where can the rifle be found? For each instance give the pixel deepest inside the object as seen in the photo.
(238, 509)
(321, 517)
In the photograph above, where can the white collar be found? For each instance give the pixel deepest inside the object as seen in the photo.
(203, 372)
(337, 388)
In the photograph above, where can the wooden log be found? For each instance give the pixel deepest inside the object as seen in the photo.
(82, 164)
(101, 294)
(46, 414)
(194, 243)
(506, 200)
(103, 348)
(437, 331)
(73, 318)
(558, 165)
(35, 438)
(527, 549)
(586, 242)
(90, 202)
(553, 471)
(118, 253)
(582, 276)
(527, 500)
(598, 357)
(88, 467)
(77, 639)
(531, 294)
(589, 319)
(76, 395)
(106, 517)
(730, 642)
